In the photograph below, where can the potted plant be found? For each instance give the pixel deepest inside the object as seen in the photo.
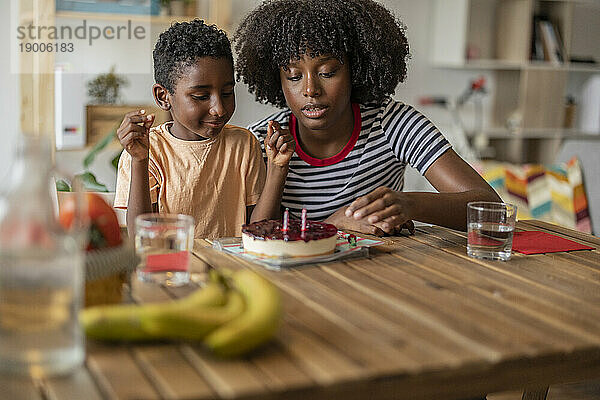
(105, 88)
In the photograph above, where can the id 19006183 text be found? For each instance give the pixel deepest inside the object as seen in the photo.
(49, 47)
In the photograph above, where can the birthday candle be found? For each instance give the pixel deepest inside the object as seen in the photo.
(286, 217)
(303, 219)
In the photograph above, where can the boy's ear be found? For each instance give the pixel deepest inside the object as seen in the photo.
(161, 96)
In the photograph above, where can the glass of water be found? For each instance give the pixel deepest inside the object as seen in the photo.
(164, 243)
(490, 229)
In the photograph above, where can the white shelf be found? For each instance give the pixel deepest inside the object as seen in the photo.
(498, 65)
(585, 2)
(155, 19)
(583, 67)
(539, 133)
(482, 64)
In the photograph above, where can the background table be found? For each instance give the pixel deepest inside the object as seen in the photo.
(418, 319)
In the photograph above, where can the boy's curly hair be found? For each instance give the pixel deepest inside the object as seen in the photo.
(278, 31)
(182, 44)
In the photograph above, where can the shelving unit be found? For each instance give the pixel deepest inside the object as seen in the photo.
(507, 65)
(496, 35)
(213, 11)
(155, 19)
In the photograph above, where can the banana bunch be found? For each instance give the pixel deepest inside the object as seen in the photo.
(231, 315)
(256, 325)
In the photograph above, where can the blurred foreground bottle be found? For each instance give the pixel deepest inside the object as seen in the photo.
(41, 270)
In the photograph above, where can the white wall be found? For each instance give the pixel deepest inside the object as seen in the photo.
(9, 101)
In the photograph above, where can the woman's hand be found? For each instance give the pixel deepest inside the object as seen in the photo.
(134, 134)
(385, 208)
(341, 221)
(279, 145)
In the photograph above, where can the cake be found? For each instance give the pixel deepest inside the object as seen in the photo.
(267, 238)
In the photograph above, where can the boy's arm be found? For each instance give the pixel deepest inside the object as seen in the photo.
(139, 194)
(134, 135)
(249, 211)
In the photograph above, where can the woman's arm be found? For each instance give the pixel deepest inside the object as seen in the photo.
(268, 205)
(279, 146)
(457, 183)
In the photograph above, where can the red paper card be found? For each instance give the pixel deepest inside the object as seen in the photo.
(167, 262)
(536, 242)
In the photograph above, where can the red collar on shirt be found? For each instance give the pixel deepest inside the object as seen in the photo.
(321, 162)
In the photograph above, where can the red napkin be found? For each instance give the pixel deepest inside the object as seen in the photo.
(536, 242)
(167, 262)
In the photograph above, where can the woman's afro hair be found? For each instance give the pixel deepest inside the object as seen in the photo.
(182, 44)
(364, 31)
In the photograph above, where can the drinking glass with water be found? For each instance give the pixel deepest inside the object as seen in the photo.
(164, 243)
(490, 230)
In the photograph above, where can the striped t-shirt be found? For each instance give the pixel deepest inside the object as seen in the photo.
(386, 138)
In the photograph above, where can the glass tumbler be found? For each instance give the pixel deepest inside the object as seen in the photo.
(164, 243)
(490, 230)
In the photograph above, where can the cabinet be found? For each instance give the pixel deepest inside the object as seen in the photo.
(103, 118)
(529, 97)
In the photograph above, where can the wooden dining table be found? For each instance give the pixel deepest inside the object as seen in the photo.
(416, 319)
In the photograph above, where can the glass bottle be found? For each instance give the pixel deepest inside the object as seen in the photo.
(41, 270)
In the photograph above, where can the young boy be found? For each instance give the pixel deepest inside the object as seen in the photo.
(196, 164)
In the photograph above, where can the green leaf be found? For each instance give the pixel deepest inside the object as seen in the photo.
(90, 183)
(63, 186)
(89, 158)
(115, 160)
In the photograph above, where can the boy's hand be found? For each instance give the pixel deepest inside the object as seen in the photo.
(384, 207)
(134, 134)
(279, 144)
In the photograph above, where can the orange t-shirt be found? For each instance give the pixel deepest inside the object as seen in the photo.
(212, 180)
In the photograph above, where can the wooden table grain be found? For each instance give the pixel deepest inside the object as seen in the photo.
(417, 319)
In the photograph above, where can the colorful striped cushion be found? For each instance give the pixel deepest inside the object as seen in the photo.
(552, 193)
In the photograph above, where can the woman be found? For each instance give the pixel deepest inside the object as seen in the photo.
(333, 64)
